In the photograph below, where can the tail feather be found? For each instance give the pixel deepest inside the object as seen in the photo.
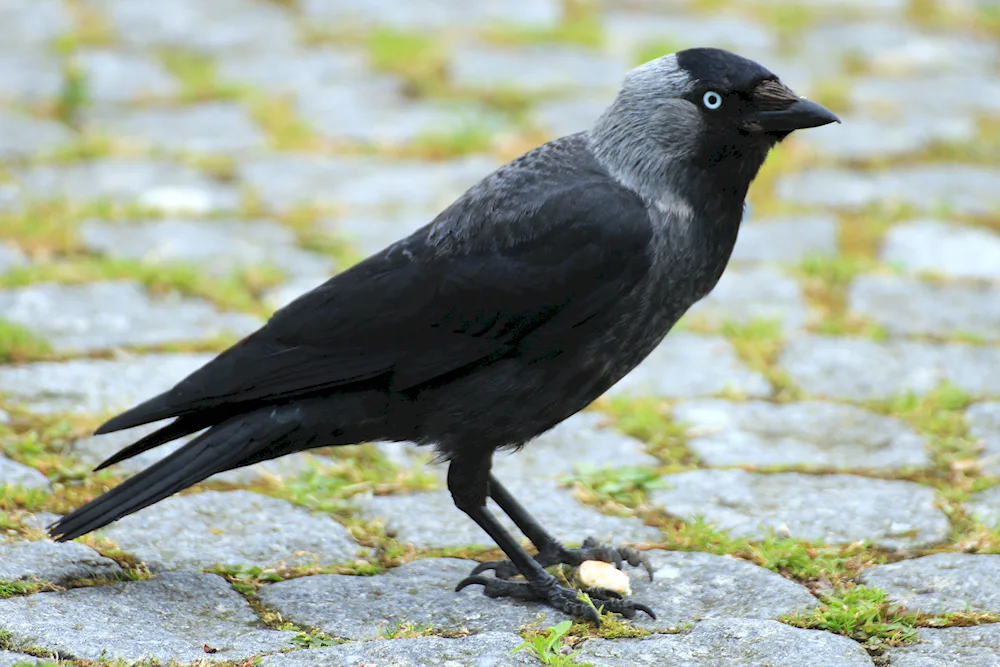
(218, 449)
(154, 409)
(176, 429)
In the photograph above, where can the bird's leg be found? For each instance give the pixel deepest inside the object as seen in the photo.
(468, 480)
(550, 550)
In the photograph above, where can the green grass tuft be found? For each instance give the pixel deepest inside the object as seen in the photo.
(465, 139)
(584, 31)
(279, 119)
(652, 50)
(19, 344)
(546, 646)
(861, 613)
(417, 58)
(197, 76)
(73, 96)
(651, 420)
(626, 486)
(9, 589)
(350, 471)
(758, 344)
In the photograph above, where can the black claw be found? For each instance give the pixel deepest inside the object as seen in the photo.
(603, 593)
(471, 580)
(636, 559)
(502, 569)
(626, 608)
(591, 549)
(562, 598)
(645, 609)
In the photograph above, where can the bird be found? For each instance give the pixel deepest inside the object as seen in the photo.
(514, 308)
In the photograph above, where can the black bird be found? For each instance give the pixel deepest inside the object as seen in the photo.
(517, 306)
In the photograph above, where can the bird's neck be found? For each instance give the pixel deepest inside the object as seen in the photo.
(681, 187)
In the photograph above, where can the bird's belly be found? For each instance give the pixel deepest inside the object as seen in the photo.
(515, 399)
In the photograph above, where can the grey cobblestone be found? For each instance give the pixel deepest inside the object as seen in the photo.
(10, 257)
(810, 433)
(23, 136)
(432, 14)
(985, 506)
(17, 474)
(859, 369)
(759, 293)
(171, 617)
(28, 79)
(105, 315)
(830, 508)
(231, 528)
(878, 138)
(299, 71)
(371, 230)
(495, 649)
(568, 115)
(690, 365)
(894, 49)
(542, 70)
(983, 420)
(940, 583)
(95, 385)
(36, 29)
(971, 92)
(360, 183)
(8, 659)
(166, 186)
(963, 189)
(914, 307)
(593, 445)
(191, 24)
(689, 587)
(976, 646)
(628, 31)
(54, 563)
(421, 592)
(117, 77)
(934, 247)
(785, 240)
(733, 643)
(212, 128)
(220, 246)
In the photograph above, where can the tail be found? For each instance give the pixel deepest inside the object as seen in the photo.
(176, 429)
(223, 447)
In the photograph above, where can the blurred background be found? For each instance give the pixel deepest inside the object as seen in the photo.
(237, 152)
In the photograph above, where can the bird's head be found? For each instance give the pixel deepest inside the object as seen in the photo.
(703, 114)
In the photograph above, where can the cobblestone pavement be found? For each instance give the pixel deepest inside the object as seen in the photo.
(812, 461)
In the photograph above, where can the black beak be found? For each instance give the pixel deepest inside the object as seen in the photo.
(799, 116)
(780, 110)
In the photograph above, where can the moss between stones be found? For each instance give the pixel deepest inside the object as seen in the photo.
(197, 77)
(241, 290)
(582, 30)
(19, 344)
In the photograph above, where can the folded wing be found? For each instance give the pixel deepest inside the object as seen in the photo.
(423, 309)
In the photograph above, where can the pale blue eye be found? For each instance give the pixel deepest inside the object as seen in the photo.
(712, 100)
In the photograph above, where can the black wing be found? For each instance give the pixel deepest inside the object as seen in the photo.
(420, 309)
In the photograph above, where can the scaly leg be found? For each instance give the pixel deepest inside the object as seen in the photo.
(550, 550)
(468, 480)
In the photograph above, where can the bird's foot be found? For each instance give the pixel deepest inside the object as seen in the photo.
(565, 599)
(556, 553)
